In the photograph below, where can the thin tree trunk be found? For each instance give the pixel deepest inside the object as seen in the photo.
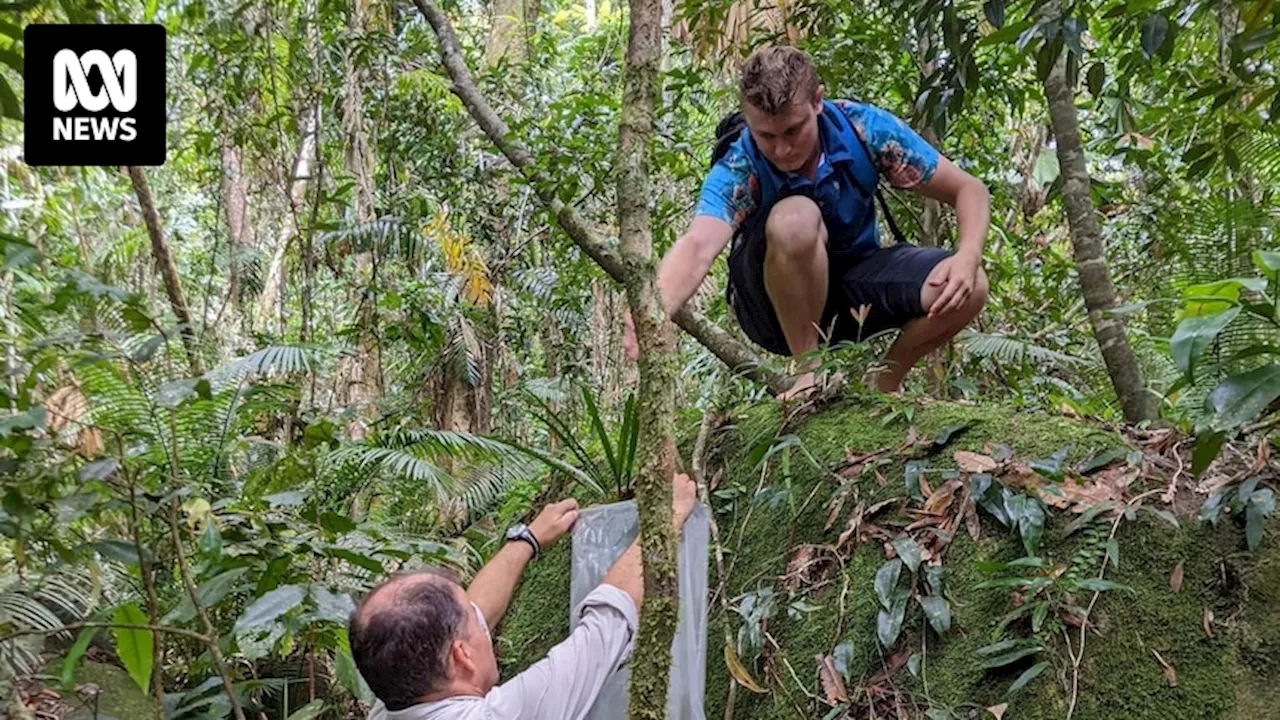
(233, 200)
(168, 271)
(506, 35)
(733, 353)
(1086, 240)
(656, 461)
(931, 218)
(296, 195)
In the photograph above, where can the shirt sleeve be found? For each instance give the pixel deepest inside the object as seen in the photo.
(564, 684)
(731, 191)
(900, 154)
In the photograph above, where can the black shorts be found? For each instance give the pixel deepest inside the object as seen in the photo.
(889, 280)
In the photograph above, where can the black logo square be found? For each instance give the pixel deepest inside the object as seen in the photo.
(94, 95)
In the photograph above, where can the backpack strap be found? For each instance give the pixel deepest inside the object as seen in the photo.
(888, 216)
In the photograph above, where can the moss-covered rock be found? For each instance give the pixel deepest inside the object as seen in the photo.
(1234, 674)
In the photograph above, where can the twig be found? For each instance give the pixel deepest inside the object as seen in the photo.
(1172, 489)
(211, 634)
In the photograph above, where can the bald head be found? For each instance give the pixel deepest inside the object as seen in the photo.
(401, 634)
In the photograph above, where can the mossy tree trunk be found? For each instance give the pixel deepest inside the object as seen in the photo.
(651, 662)
(1086, 241)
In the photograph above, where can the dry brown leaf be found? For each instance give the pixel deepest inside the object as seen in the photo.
(912, 436)
(1206, 622)
(972, 462)
(880, 479)
(895, 663)
(851, 528)
(89, 442)
(1175, 578)
(66, 404)
(1170, 674)
(800, 559)
(998, 710)
(832, 683)
(971, 522)
(1263, 456)
(738, 672)
(834, 507)
(924, 487)
(930, 521)
(871, 511)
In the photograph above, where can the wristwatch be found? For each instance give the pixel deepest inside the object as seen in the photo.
(522, 532)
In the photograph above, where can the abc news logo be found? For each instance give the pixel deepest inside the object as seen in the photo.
(95, 95)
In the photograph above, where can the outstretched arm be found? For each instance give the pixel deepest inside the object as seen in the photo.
(493, 586)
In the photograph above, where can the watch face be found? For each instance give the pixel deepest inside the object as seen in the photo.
(515, 531)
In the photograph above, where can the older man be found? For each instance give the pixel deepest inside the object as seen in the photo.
(422, 642)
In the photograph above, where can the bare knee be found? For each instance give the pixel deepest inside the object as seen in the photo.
(795, 227)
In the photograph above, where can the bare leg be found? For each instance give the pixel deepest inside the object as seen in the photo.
(795, 276)
(924, 334)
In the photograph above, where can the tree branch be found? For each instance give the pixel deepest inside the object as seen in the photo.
(737, 356)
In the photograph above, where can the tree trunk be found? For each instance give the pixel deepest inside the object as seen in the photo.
(1086, 241)
(296, 195)
(168, 271)
(363, 371)
(234, 201)
(506, 35)
(656, 459)
(931, 218)
(733, 353)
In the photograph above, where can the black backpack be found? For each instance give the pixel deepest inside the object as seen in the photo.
(732, 125)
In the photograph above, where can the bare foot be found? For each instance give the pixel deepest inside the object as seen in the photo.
(804, 385)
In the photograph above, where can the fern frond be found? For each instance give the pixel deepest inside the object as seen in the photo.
(1012, 350)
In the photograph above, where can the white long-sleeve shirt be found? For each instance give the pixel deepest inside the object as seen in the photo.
(561, 686)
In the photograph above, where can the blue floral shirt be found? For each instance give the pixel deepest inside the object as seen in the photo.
(732, 190)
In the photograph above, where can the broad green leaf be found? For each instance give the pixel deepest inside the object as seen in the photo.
(1051, 467)
(334, 607)
(134, 646)
(938, 611)
(1038, 616)
(1005, 33)
(949, 433)
(68, 675)
(373, 565)
(1011, 657)
(1101, 459)
(270, 606)
(889, 622)
(842, 657)
(913, 664)
(1113, 552)
(121, 551)
(1030, 674)
(1164, 515)
(1031, 525)
(1095, 78)
(210, 592)
(1217, 296)
(1194, 335)
(310, 711)
(210, 538)
(348, 675)
(99, 469)
(1046, 169)
(994, 11)
(887, 581)
(1261, 505)
(1208, 443)
(911, 479)
(288, 498)
(908, 550)
(1155, 28)
(933, 577)
(1000, 647)
(1240, 398)
(1212, 508)
(1088, 516)
(1268, 261)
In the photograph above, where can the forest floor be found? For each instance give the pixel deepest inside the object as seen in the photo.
(1194, 631)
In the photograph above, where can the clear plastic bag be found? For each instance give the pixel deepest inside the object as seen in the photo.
(600, 536)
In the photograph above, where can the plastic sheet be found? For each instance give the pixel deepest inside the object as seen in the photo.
(601, 535)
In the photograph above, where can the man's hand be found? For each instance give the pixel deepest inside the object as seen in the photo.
(629, 344)
(684, 493)
(554, 521)
(957, 275)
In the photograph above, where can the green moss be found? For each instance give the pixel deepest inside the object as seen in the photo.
(539, 614)
(118, 696)
(1235, 674)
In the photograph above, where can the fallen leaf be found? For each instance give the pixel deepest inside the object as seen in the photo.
(1263, 456)
(800, 560)
(880, 479)
(1170, 674)
(832, 683)
(971, 522)
(972, 462)
(871, 511)
(834, 507)
(738, 672)
(1206, 621)
(1175, 578)
(940, 501)
(911, 436)
(924, 487)
(855, 520)
(998, 710)
(895, 663)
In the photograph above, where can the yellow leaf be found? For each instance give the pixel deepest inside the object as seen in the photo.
(738, 672)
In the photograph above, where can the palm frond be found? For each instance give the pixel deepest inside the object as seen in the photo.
(267, 362)
(395, 462)
(1006, 349)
